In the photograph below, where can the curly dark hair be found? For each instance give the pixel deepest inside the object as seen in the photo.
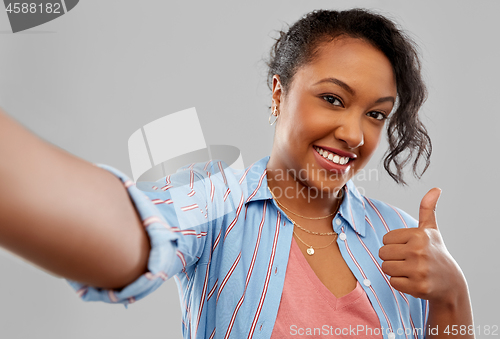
(406, 134)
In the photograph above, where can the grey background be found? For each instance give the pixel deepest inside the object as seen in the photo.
(87, 80)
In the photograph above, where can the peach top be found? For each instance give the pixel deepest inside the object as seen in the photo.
(308, 308)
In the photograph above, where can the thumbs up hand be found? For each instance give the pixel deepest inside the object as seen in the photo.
(427, 213)
(417, 259)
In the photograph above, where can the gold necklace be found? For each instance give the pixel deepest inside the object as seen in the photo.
(279, 203)
(295, 223)
(310, 249)
(311, 232)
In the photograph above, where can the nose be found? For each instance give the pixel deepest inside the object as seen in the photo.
(349, 130)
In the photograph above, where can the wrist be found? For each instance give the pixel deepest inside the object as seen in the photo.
(453, 299)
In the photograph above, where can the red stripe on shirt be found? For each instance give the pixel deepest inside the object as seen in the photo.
(212, 290)
(189, 207)
(228, 275)
(245, 174)
(181, 257)
(378, 213)
(191, 179)
(268, 276)
(206, 165)
(212, 188)
(226, 194)
(151, 220)
(222, 172)
(233, 223)
(258, 186)
(369, 222)
(189, 232)
(249, 273)
(400, 217)
(216, 242)
(159, 201)
(203, 292)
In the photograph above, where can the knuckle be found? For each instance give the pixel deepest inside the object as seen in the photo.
(420, 235)
(423, 288)
(421, 239)
(418, 253)
(422, 272)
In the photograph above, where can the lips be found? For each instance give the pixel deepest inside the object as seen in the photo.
(334, 161)
(337, 151)
(336, 156)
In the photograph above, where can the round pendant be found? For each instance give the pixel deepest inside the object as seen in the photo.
(310, 251)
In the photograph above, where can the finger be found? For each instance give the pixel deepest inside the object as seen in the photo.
(395, 268)
(399, 236)
(402, 284)
(393, 252)
(427, 213)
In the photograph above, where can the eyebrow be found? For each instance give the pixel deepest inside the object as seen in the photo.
(348, 89)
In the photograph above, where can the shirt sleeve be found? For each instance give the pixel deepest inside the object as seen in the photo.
(176, 217)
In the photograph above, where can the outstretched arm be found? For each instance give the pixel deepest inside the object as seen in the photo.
(65, 215)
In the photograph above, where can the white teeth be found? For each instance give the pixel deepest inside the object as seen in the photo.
(335, 158)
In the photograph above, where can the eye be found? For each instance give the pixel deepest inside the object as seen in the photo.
(377, 115)
(332, 99)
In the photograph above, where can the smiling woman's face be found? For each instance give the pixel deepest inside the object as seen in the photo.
(337, 103)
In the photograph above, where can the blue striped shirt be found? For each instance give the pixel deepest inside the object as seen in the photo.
(222, 237)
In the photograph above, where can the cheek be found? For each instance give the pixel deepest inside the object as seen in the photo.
(298, 122)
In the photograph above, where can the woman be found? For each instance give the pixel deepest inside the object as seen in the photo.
(231, 238)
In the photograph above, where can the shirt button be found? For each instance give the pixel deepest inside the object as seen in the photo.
(391, 336)
(367, 282)
(342, 236)
(337, 221)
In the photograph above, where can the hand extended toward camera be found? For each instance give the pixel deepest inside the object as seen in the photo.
(419, 264)
(67, 220)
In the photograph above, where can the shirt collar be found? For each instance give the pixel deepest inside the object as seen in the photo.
(352, 208)
(256, 181)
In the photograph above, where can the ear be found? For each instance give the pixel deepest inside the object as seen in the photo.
(277, 91)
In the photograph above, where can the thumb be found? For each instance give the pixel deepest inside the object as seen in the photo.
(427, 213)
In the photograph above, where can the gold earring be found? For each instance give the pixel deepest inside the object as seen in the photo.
(275, 113)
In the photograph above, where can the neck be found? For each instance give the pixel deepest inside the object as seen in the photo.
(301, 197)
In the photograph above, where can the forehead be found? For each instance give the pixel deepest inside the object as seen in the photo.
(354, 61)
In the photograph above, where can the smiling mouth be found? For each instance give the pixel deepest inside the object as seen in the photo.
(330, 156)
